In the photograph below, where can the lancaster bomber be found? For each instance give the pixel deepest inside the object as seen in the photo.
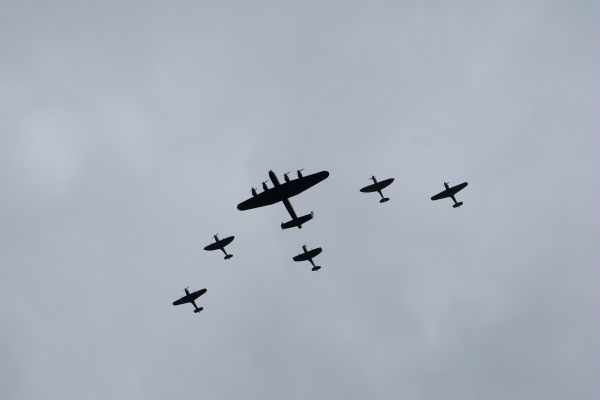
(191, 298)
(378, 187)
(450, 192)
(283, 192)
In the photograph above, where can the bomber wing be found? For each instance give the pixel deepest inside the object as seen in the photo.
(283, 191)
(297, 186)
(262, 199)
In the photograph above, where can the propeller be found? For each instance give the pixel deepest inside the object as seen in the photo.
(186, 288)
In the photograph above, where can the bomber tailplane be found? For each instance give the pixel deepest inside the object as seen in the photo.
(297, 222)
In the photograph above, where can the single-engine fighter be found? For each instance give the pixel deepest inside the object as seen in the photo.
(308, 255)
(219, 244)
(191, 298)
(450, 192)
(378, 187)
(283, 192)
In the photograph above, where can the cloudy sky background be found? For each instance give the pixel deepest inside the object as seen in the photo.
(129, 131)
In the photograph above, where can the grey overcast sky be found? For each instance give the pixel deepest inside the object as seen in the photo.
(130, 130)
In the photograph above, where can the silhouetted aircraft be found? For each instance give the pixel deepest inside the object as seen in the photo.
(378, 187)
(308, 255)
(283, 192)
(191, 298)
(450, 192)
(220, 244)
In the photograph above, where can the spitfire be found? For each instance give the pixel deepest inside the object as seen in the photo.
(378, 187)
(308, 255)
(190, 298)
(219, 244)
(450, 192)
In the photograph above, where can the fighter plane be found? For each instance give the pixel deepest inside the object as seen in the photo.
(191, 298)
(219, 244)
(378, 187)
(450, 192)
(308, 255)
(283, 192)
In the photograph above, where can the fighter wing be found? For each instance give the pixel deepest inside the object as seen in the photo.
(183, 300)
(189, 298)
(266, 198)
(213, 246)
(370, 188)
(301, 257)
(297, 186)
(442, 195)
(458, 188)
(220, 244)
(308, 255)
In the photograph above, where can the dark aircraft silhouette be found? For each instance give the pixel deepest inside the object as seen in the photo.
(283, 192)
(191, 298)
(220, 244)
(450, 192)
(378, 187)
(308, 255)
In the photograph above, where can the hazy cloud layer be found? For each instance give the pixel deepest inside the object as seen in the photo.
(130, 131)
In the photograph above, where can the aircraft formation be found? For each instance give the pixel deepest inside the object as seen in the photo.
(282, 192)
